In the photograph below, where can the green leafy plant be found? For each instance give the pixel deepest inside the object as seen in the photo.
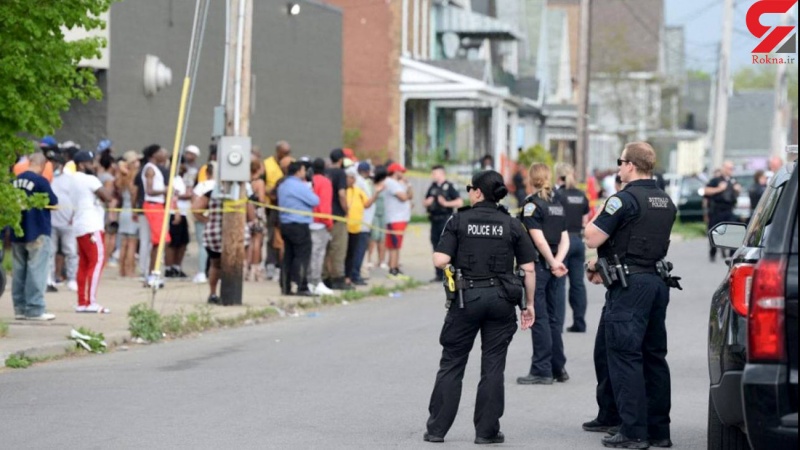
(537, 154)
(34, 91)
(145, 323)
(18, 361)
(91, 341)
(3, 328)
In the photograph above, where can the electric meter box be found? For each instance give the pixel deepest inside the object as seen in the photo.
(234, 158)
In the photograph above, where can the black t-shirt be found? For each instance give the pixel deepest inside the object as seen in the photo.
(449, 191)
(725, 200)
(339, 182)
(576, 205)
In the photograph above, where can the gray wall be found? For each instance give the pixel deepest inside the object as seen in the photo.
(297, 64)
(85, 123)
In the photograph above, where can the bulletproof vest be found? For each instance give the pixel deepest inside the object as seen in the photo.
(555, 219)
(485, 243)
(643, 240)
(575, 203)
(436, 209)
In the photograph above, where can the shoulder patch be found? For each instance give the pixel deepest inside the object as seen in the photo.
(528, 210)
(613, 205)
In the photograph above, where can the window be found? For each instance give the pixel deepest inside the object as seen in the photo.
(761, 223)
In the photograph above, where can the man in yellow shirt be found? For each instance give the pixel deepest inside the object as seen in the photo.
(272, 174)
(358, 235)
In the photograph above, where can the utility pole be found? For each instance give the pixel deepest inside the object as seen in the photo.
(779, 135)
(237, 123)
(723, 83)
(582, 144)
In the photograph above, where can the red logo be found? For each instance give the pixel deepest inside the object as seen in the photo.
(774, 35)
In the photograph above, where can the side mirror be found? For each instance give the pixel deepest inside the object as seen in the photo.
(728, 235)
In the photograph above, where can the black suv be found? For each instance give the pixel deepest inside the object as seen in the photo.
(752, 340)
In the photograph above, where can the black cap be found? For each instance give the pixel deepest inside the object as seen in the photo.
(83, 156)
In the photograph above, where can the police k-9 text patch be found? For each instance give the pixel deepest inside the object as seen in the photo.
(485, 230)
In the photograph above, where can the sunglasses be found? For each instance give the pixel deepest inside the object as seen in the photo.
(471, 188)
(621, 161)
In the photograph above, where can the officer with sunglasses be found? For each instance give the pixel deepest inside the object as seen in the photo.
(632, 234)
(482, 242)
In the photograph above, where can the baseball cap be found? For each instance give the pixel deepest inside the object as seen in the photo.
(83, 156)
(348, 152)
(363, 166)
(131, 156)
(351, 171)
(104, 145)
(193, 149)
(48, 141)
(347, 162)
(395, 167)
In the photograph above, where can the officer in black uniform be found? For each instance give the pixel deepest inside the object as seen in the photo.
(576, 208)
(722, 193)
(632, 236)
(440, 200)
(482, 242)
(544, 219)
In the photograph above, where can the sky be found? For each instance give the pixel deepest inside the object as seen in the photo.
(702, 21)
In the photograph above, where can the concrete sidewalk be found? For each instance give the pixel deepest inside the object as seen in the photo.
(41, 339)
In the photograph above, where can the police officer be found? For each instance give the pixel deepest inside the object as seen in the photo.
(440, 200)
(722, 192)
(576, 209)
(481, 242)
(543, 217)
(632, 236)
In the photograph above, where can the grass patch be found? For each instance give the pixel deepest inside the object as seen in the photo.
(198, 320)
(19, 361)
(355, 295)
(690, 230)
(145, 323)
(91, 341)
(3, 329)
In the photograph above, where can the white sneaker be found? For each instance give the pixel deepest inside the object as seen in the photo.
(72, 286)
(93, 309)
(384, 266)
(200, 278)
(321, 289)
(42, 317)
(152, 280)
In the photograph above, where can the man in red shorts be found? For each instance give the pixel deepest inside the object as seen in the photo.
(397, 205)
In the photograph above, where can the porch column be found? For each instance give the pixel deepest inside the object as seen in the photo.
(401, 147)
(499, 135)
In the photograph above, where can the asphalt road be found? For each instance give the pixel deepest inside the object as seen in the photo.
(355, 376)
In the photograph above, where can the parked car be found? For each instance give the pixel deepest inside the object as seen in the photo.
(752, 340)
(690, 199)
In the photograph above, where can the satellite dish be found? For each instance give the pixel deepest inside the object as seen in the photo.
(450, 44)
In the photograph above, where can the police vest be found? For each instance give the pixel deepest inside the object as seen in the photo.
(485, 243)
(436, 210)
(643, 240)
(555, 220)
(575, 203)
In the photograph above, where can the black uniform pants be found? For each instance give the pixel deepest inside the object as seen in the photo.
(437, 227)
(577, 289)
(636, 340)
(716, 217)
(607, 407)
(549, 305)
(495, 317)
(296, 255)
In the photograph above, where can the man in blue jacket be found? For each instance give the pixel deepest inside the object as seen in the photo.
(295, 194)
(31, 250)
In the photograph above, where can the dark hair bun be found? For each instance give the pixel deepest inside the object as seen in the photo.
(500, 192)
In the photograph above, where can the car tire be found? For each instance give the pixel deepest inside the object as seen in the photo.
(721, 436)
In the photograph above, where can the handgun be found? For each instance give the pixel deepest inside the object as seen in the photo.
(620, 272)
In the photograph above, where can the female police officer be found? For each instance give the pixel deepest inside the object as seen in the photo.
(482, 242)
(543, 217)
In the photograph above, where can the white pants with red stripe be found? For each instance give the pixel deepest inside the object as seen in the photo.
(91, 259)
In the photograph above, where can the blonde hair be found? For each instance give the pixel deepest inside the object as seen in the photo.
(539, 176)
(566, 172)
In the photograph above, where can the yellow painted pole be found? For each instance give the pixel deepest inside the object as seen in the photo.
(173, 169)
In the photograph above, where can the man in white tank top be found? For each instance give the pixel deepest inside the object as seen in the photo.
(155, 190)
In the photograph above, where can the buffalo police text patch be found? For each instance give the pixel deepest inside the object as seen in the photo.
(528, 210)
(574, 200)
(658, 202)
(613, 205)
(485, 230)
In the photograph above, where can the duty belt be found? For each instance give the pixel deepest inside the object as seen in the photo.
(633, 269)
(475, 284)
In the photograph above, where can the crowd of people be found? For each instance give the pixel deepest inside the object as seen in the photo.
(313, 226)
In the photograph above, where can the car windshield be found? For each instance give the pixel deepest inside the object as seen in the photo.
(760, 224)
